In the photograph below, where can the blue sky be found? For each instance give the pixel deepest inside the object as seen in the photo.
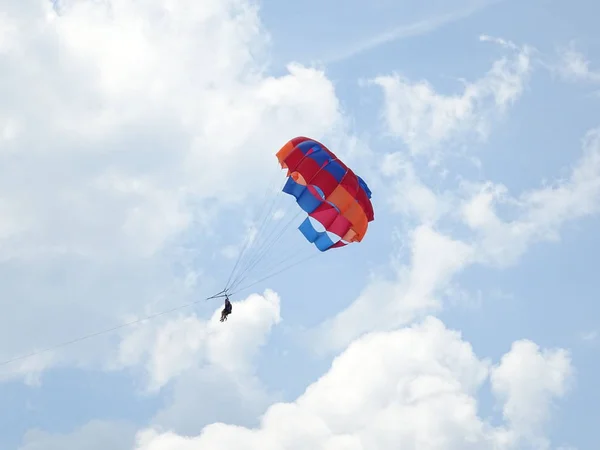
(136, 142)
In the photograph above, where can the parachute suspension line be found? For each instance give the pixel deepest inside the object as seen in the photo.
(264, 251)
(265, 264)
(251, 239)
(307, 252)
(241, 253)
(264, 233)
(262, 223)
(255, 244)
(260, 251)
(299, 248)
(275, 273)
(223, 293)
(102, 332)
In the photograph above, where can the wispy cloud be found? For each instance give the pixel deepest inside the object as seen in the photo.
(575, 66)
(500, 41)
(406, 31)
(425, 119)
(589, 336)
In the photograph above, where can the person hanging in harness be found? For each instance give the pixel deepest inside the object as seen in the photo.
(226, 310)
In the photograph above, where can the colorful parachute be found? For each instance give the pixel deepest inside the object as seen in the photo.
(330, 192)
(337, 206)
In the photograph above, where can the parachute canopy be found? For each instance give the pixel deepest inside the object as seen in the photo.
(332, 208)
(336, 200)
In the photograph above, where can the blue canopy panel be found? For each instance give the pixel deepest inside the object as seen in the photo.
(309, 198)
(307, 146)
(306, 199)
(320, 156)
(335, 169)
(321, 239)
(364, 186)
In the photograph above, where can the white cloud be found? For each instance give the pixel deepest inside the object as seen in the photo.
(209, 365)
(574, 66)
(89, 121)
(424, 119)
(128, 120)
(504, 225)
(413, 387)
(538, 214)
(527, 381)
(169, 349)
(409, 195)
(203, 395)
(415, 290)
